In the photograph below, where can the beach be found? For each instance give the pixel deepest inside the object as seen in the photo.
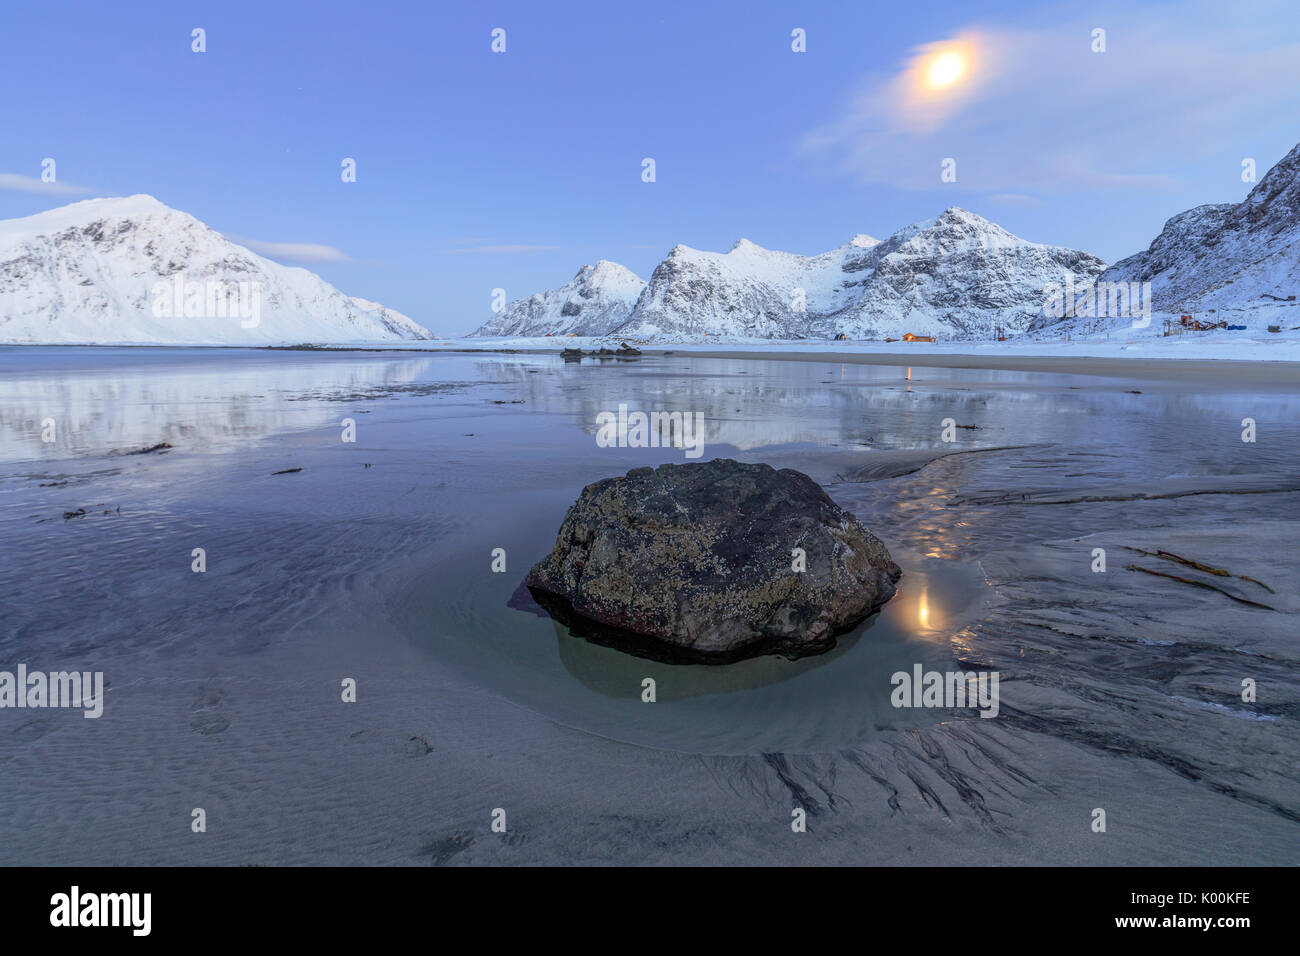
(1121, 690)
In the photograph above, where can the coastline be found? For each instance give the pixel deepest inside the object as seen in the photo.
(225, 686)
(1263, 372)
(1282, 372)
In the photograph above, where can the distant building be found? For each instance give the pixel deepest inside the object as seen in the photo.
(912, 337)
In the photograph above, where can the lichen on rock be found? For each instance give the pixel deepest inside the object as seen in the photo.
(712, 561)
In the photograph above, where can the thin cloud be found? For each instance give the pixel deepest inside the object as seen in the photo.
(1015, 199)
(1039, 112)
(506, 249)
(14, 182)
(299, 253)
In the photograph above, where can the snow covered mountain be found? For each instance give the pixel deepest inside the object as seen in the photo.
(1237, 256)
(133, 270)
(748, 292)
(594, 302)
(956, 276)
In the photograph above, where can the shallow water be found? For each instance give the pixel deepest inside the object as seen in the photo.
(391, 537)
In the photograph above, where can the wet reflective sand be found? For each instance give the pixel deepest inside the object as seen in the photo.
(1119, 689)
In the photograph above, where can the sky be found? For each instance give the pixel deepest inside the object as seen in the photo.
(478, 170)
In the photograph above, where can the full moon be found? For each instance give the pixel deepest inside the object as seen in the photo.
(945, 69)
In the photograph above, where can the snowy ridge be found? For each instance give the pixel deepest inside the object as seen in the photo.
(955, 276)
(596, 301)
(1228, 257)
(959, 276)
(748, 292)
(89, 273)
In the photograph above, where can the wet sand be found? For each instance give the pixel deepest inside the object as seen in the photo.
(1263, 374)
(1120, 690)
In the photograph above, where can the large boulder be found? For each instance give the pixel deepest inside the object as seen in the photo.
(698, 562)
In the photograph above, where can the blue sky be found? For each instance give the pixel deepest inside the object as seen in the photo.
(478, 170)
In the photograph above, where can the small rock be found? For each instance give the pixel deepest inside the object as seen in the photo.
(417, 746)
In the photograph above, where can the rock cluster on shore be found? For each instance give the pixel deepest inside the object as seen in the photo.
(623, 351)
(712, 561)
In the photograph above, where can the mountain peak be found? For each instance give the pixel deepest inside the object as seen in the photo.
(135, 205)
(955, 275)
(1226, 255)
(609, 268)
(81, 213)
(608, 273)
(1282, 178)
(957, 227)
(595, 301)
(956, 215)
(90, 273)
